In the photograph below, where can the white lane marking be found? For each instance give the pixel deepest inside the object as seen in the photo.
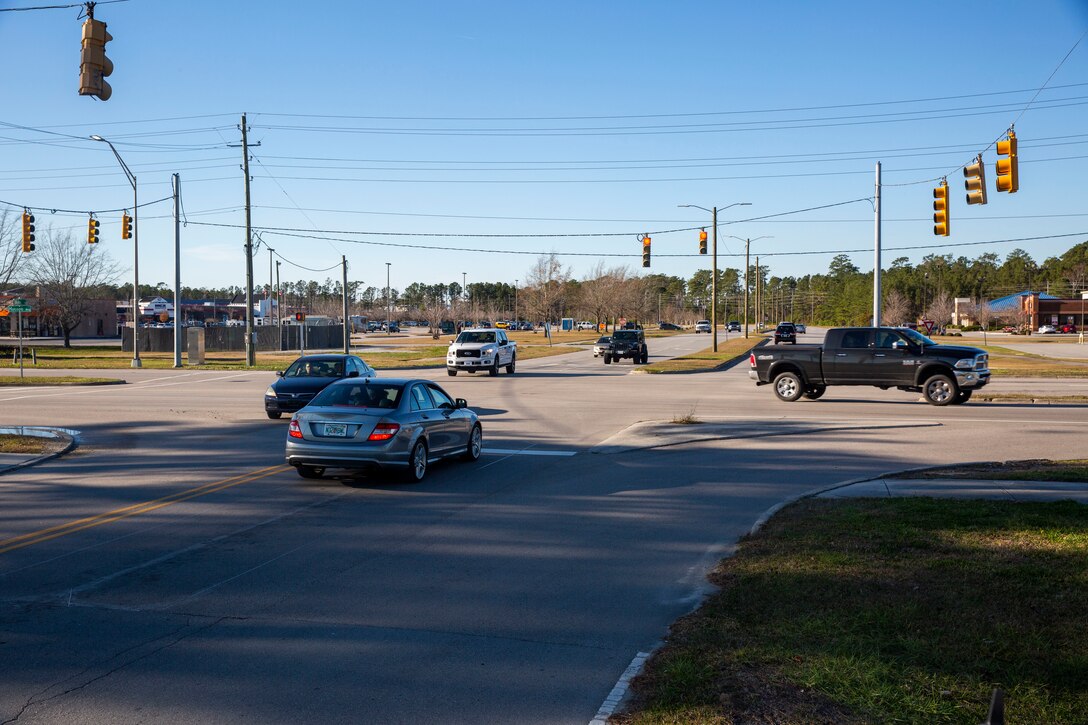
(608, 707)
(526, 452)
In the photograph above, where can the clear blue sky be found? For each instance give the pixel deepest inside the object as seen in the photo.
(559, 118)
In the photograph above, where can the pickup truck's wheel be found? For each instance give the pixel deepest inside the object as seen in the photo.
(645, 356)
(607, 359)
(962, 397)
(788, 387)
(494, 369)
(513, 362)
(451, 373)
(815, 391)
(939, 390)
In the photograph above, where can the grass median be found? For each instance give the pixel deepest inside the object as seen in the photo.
(393, 355)
(704, 360)
(886, 610)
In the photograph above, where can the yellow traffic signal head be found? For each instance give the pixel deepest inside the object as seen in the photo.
(646, 251)
(941, 223)
(1008, 173)
(28, 232)
(126, 226)
(702, 241)
(92, 231)
(94, 66)
(975, 181)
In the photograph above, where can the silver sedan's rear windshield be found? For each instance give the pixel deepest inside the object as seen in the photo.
(360, 395)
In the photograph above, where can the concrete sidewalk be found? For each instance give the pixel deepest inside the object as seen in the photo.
(963, 488)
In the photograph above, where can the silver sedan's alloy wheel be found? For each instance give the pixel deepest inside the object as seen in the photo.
(475, 444)
(417, 462)
(940, 390)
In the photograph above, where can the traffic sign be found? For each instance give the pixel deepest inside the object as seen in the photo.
(929, 325)
(18, 305)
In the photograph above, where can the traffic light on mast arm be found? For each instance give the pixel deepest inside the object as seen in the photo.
(1008, 173)
(126, 226)
(28, 232)
(940, 210)
(645, 251)
(94, 66)
(92, 231)
(975, 181)
(702, 241)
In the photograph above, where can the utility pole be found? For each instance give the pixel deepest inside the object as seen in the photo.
(516, 303)
(279, 305)
(347, 325)
(178, 316)
(388, 303)
(251, 357)
(747, 244)
(759, 299)
(876, 252)
(714, 277)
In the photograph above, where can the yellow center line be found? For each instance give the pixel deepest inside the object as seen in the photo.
(36, 537)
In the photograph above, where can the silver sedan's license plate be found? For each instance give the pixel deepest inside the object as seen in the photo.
(339, 430)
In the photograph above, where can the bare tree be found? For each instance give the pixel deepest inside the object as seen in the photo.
(69, 275)
(546, 284)
(11, 248)
(896, 307)
(940, 310)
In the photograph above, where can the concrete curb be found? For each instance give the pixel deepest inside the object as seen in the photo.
(69, 383)
(39, 432)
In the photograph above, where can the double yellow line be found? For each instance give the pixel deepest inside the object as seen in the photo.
(53, 532)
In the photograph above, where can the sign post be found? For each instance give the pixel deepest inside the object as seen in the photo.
(19, 306)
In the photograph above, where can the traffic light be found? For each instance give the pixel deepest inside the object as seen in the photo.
(94, 66)
(1008, 175)
(975, 181)
(92, 231)
(126, 226)
(300, 316)
(702, 242)
(940, 210)
(28, 232)
(645, 251)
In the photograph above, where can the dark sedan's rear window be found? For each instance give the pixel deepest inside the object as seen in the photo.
(359, 395)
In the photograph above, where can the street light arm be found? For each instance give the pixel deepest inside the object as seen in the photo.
(128, 173)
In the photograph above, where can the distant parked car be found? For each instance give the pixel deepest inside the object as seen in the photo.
(668, 326)
(307, 376)
(1069, 328)
(702, 326)
(586, 325)
(1047, 330)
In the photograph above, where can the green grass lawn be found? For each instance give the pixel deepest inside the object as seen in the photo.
(14, 380)
(886, 611)
(704, 359)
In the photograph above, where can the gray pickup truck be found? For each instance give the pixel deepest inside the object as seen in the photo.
(884, 357)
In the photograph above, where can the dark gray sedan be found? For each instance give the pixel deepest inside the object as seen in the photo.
(391, 424)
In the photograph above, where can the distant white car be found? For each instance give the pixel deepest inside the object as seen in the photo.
(586, 326)
(703, 326)
(1048, 330)
(800, 327)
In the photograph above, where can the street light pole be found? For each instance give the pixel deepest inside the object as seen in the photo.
(714, 265)
(516, 302)
(135, 257)
(388, 303)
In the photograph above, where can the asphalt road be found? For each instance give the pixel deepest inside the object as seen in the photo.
(171, 569)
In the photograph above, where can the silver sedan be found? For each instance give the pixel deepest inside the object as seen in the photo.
(385, 423)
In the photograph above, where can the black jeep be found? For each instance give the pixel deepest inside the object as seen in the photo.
(630, 344)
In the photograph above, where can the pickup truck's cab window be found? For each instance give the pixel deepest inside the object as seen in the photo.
(855, 338)
(885, 339)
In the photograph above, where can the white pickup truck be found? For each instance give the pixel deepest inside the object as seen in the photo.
(485, 348)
